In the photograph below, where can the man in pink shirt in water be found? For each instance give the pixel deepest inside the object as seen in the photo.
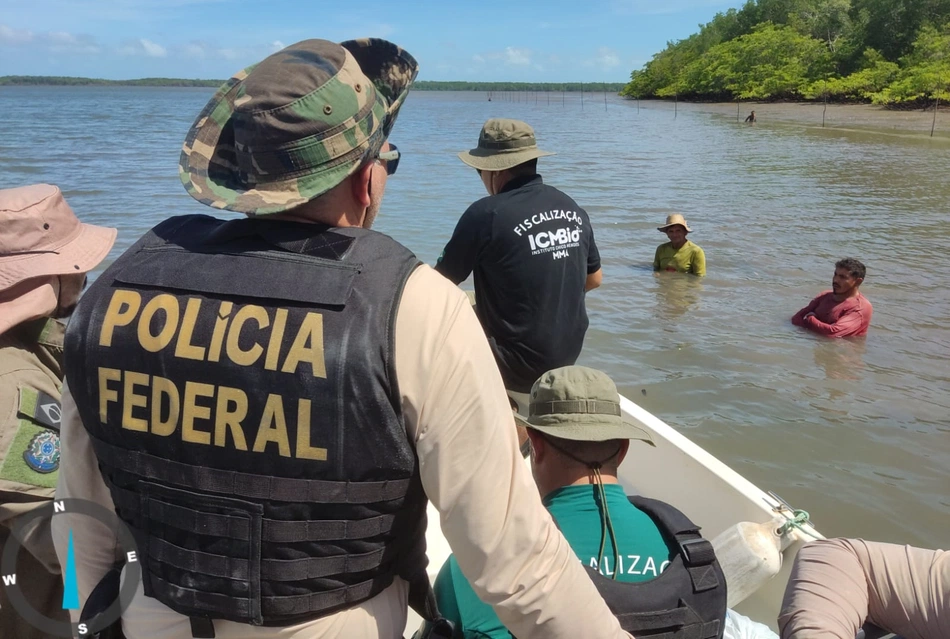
(842, 311)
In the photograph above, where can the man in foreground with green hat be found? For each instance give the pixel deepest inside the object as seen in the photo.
(579, 438)
(267, 403)
(533, 253)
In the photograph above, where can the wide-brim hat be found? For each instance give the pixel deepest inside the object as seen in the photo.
(40, 236)
(580, 404)
(291, 127)
(674, 220)
(503, 144)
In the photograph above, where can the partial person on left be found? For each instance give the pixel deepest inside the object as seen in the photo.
(45, 253)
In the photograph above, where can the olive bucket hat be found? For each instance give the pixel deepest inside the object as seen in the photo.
(503, 144)
(291, 127)
(581, 404)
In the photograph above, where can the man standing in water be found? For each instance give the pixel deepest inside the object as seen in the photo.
(533, 253)
(843, 311)
(267, 402)
(679, 255)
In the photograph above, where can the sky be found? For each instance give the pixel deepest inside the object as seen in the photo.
(487, 40)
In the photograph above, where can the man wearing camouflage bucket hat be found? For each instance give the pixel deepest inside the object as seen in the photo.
(532, 250)
(267, 402)
(579, 437)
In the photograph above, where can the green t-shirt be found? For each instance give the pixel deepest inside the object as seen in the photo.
(689, 258)
(644, 555)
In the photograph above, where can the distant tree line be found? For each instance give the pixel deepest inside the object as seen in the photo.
(52, 80)
(424, 85)
(893, 52)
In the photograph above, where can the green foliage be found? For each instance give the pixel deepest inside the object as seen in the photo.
(881, 50)
(926, 72)
(771, 62)
(875, 75)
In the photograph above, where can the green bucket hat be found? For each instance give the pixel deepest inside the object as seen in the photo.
(293, 126)
(580, 404)
(502, 144)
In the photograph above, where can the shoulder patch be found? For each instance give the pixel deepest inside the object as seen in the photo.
(40, 407)
(42, 453)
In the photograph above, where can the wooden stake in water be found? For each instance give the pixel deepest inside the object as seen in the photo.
(737, 111)
(676, 100)
(638, 105)
(934, 124)
(824, 110)
(605, 96)
(582, 96)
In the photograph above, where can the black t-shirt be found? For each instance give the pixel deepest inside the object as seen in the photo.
(531, 248)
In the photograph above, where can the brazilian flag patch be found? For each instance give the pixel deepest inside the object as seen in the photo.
(33, 456)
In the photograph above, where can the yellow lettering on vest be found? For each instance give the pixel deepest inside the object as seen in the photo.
(308, 347)
(273, 427)
(230, 412)
(192, 411)
(184, 348)
(162, 387)
(123, 307)
(276, 337)
(217, 335)
(130, 400)
(251, 355)
(304, 450)
(168, 304)
(106, 394)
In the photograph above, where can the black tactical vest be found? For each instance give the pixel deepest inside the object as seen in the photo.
(687, 600)
(237, 380)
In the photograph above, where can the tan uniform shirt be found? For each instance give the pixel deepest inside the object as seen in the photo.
(30, 364)
(459, 418)
(838, 584)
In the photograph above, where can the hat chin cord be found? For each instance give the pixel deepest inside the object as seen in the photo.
(601, 496)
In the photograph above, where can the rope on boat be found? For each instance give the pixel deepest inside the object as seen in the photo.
(799, 520)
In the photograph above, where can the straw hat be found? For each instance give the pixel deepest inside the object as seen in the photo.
(673, 220)
(580, 404)
(503, 144)
(41, 236)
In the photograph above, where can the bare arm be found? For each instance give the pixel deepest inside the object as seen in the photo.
(594, 280)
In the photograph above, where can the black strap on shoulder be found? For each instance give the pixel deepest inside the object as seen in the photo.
(698, 554)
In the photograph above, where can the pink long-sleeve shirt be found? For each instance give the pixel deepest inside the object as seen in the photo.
(836, 319)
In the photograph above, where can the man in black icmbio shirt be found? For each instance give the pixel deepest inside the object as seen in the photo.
(533, 253)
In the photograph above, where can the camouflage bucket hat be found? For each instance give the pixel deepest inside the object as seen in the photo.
(293, 126)
(581, 404)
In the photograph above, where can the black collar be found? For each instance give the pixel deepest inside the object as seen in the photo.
(520, 181)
